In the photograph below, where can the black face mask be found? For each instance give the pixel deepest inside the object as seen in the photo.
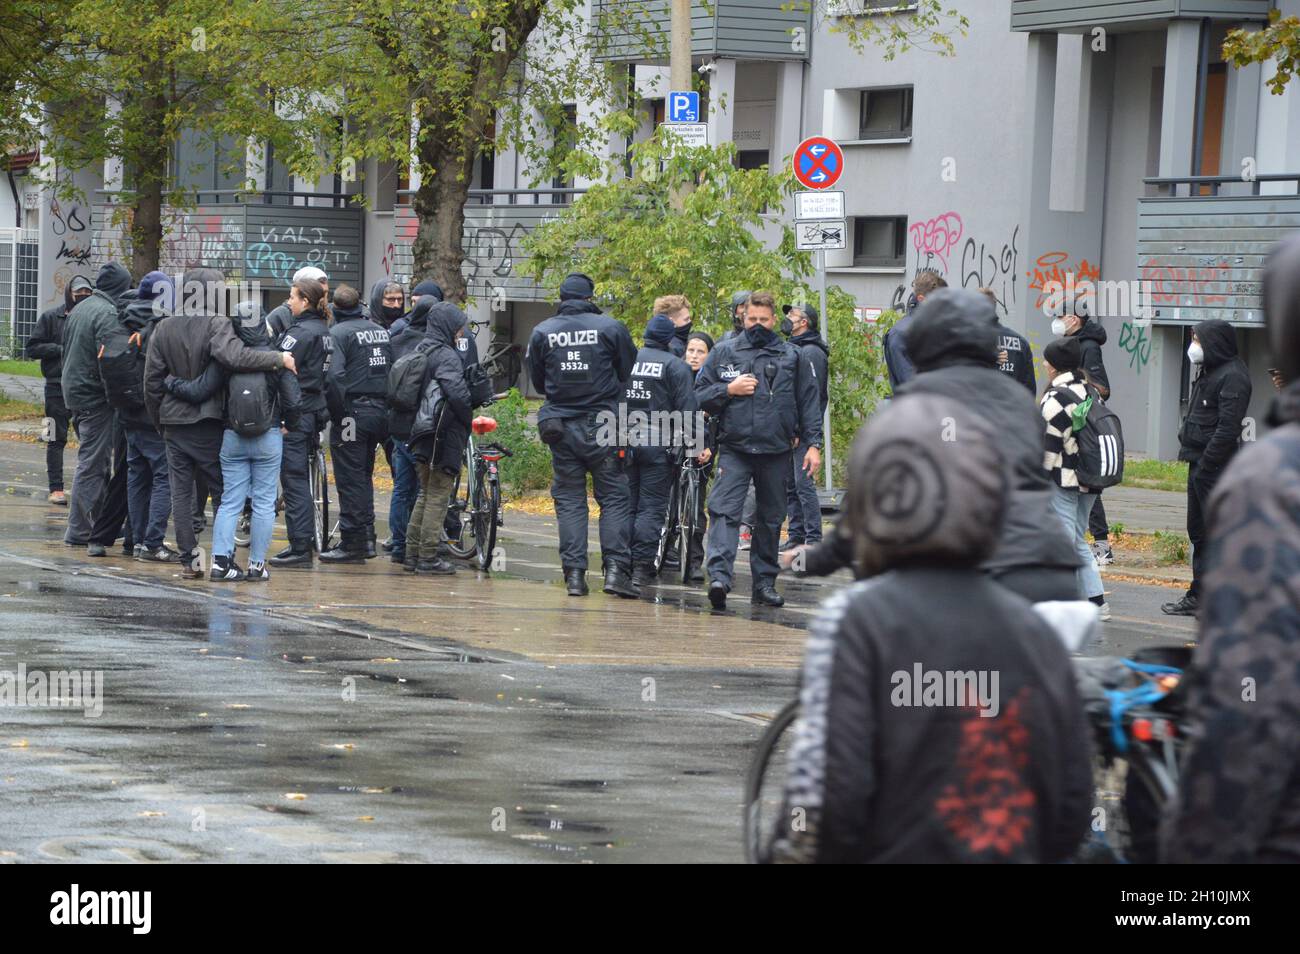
(683, 331)
(759, 336)
(392, 313)
(787, 327)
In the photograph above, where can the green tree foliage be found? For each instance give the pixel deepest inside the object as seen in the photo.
(628, 236)
(108, 79)
(1279, 41)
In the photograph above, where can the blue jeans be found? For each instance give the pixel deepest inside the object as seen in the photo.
(148, 489)
(250, 469)
(1073, 509)
(406, 485)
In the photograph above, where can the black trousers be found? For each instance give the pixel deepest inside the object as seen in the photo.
(295, 480)
(353, 451)
(193, 450)
(112, 514)
(649, 479)
(1097, 524)
(577, 454)
(1200, 484)
(57, 436)
(736, 472)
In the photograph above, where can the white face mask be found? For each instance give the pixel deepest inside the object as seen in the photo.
(1058, 327)
(1194, 353)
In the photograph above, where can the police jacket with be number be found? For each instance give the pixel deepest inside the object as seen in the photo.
(661, 382)
(359, 362)
(581, 360)
(785, 405)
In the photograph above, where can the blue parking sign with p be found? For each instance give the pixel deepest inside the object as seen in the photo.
(683, 107)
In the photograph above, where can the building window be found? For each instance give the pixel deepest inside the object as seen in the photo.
(880, 241)
(885, 113)
(751, 158)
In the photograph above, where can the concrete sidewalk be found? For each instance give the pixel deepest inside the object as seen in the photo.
(20, 387)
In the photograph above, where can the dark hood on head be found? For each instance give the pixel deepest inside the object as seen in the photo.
(957, 487)
(418, 317)
(578, 306)
(113, 280)
(444, 320)
(377, 299)
(1281, 294)
(811, 339)
(952, 326)
(1218, 341)
(1093, 331)
(138, 312)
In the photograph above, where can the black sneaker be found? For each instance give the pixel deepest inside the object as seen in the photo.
(139, 551)
(1187, 606)
(387, 545)
(225, 571)
(344, 554)
(718, 595)
(159, 554)
(768, 596)
(435, 567)
(257, 573)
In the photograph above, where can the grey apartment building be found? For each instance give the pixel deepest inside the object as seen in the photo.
(1104, 139)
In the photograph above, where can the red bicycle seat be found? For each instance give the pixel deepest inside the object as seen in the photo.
(484, 425)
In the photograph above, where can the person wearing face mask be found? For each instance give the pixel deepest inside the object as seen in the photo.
(1209, 436)
(387, 302)
(801, 501)
(737, 316)
(46, 345)
(1074, 321)
(767, 405)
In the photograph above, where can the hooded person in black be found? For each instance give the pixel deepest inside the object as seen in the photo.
(1238, 798)
(387, 303)
(953, 345)
(1209, 436)
(939, 717)
(802, 504)
(405, 334)
(46, 345)
(437, 438)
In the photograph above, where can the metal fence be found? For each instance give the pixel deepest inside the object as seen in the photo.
(19, 260)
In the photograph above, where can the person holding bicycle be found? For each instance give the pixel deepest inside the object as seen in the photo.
(698, 346)
(661, 388)
(308, 340)
(939, 716)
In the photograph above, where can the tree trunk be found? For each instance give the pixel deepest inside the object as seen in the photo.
(438, 250)
(147, 166)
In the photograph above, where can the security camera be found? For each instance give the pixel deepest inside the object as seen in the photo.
(709, 67)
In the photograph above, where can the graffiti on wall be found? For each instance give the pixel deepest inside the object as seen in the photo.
(311, 245)
(1055, 268)
(1136, 343)
(68, 223)
(985, 265)
(934, 239)
(1210, 283)
(982, 262)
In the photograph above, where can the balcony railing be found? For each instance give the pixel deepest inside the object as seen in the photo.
(1083, 15)
(1202, 244)
(638, 30)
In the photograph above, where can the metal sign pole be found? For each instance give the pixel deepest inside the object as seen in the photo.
(826, 331)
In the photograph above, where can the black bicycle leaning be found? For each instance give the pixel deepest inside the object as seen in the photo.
(682, 517)
(476, 498)
(1134, 706)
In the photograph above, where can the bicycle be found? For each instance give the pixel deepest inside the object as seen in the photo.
(1137, 751)
(318, 475)
(478, 509)
(682, 517)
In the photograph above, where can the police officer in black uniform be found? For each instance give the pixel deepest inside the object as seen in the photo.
(357, 391)
(767, 402)
(581, 360)
(309, 341)
(661, 382)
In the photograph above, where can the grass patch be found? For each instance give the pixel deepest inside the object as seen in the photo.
(1171, 548)
(1156, 474)
(28, 369)
(11, 410)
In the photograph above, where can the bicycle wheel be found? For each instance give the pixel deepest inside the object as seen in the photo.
(765, 784)
(320, 495)
(463, 504)
(687, 514)
(667, 534)
(486, 509)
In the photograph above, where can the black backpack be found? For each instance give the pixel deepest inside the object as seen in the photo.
(479, 383)
(1100, 436)
(406, 378)
(251, 403)
(121, 367)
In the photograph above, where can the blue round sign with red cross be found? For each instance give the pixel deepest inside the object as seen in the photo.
(818, 163)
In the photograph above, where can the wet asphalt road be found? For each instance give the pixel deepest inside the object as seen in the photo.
(365, 716)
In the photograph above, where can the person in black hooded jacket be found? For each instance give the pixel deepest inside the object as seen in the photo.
(46, 344)
(405, 333)
(1238, 799)
(953, 343)
(438, 445)
(803, 506)
(1209, 437)
(939, 717)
